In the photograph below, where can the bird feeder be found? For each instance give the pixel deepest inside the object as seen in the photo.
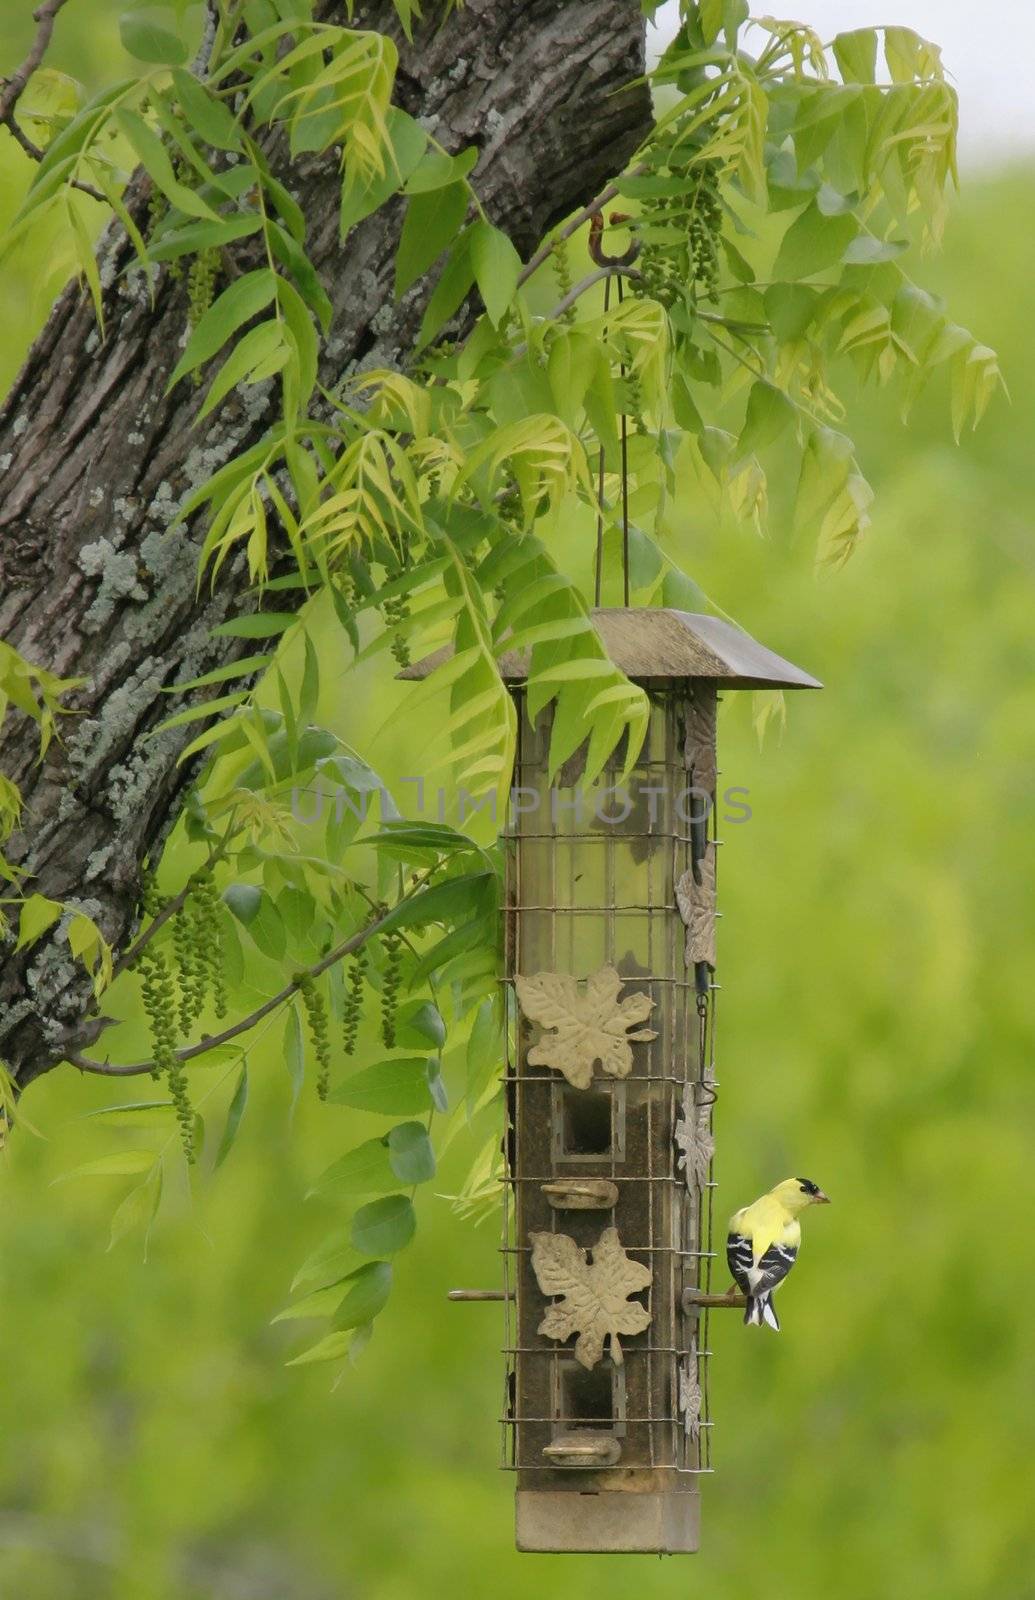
(610, 1084)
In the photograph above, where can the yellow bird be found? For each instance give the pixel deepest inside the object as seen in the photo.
(762, 1244)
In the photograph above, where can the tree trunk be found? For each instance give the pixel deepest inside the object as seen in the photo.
(94, 461)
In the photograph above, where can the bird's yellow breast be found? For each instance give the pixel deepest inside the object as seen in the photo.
(766, 1222)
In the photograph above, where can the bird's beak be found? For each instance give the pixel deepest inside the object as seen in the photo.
(821, 1199)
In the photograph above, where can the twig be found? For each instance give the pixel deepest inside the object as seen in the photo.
(136, 1069)
(14, 88)
(576, 293)
(579, 289)
(176, 904)
(546, 249)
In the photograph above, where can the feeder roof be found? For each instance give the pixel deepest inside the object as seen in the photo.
(649, 642)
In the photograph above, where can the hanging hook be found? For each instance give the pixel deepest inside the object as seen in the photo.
(596, 241)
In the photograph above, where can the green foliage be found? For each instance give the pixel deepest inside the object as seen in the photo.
(774, 213)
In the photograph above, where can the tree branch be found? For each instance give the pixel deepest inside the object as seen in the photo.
(136, 1069)
(97, 578)
(14, 88)
(593, 209)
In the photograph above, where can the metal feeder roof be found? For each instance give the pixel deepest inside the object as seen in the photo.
(651, 642)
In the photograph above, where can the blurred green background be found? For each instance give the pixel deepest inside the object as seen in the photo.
(875, 1034)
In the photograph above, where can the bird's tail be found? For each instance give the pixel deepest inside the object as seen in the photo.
(760, 1309)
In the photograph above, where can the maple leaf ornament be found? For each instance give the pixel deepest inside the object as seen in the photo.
(586, 1026)
(595, 1302)
(693, 1132)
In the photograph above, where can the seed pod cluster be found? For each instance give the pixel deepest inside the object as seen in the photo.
(352, 1007)
(682, 252)
(207, 919)
(390, 980)
(201, 283)
(158, 989)
(319, 1031)
(561, 261)
(395, 611)
(190, 966)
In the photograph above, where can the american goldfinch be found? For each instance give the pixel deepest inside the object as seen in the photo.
(762, 1244)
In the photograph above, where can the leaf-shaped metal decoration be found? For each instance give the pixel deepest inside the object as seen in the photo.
(587, 1025)
(696, 902)
(595, 1302)
(693, 1132)
(690, 1393)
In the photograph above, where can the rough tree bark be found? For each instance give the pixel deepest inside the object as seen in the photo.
(94, 462)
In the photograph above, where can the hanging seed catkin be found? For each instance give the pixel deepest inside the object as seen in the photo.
(159, 993)
(561, 261)
(352, 1006)
(208, 917)
(316, 1016)
(190, 967)
(390, 979)
(395, 611)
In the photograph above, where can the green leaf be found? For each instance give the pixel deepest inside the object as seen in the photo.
(121, 1164)
(233, 1117)
(86, 258)
(149, 41)
(244, 299)
(195, 236)
(458, 897)
(415, 841)
(138, 1208)
(37, 915)
(370, 1288)
(244, 900)
(419, 1023)
(136, 1111)
(813, 243)
(410, 1152)
(390, 1087)
(432, 221)
(384, 1226)
(856, 55)
(258, 355)
(291, 255)
(497, 267)
(208, 708)
(207, 115)
(571, 368)
(331, 1348)
(790, 307)
(484, 1052)
(769, 413)
(362, 197)
(294, 1053)
(437, 1086)
(154, 158)
(332, 1259)
(321, 1303)
(866, 251)
(257, 625)
(364, 1170)
(450, 290)
(437, 170)
(243, 667)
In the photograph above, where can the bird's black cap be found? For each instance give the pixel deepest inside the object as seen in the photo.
(808, 1187)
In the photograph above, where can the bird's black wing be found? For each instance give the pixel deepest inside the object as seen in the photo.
(739, 1259)
(772, 1267)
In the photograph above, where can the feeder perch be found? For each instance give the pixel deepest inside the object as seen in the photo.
(610, 1084)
